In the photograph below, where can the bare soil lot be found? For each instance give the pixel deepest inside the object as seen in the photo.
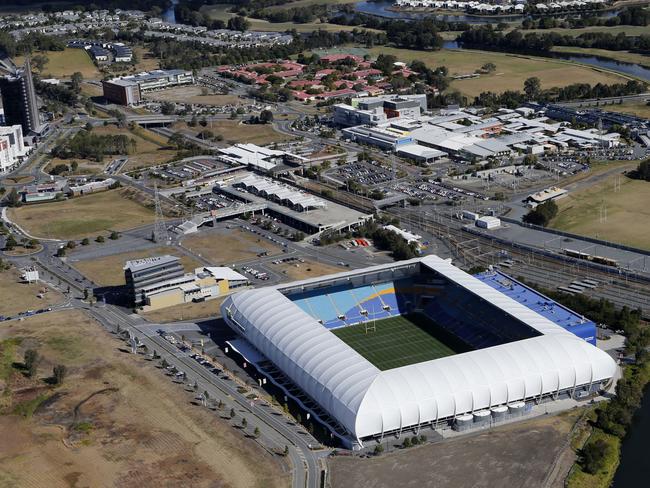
(115, 421)
(308, 269)
(16, 296)
(186, 311)
(517, 455)
(107, 271)
(226, 246)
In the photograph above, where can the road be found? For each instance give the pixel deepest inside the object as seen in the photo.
(276, 430)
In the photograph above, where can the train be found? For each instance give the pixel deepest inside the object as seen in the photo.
(593, 258)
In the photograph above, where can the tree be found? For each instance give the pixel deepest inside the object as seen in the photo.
(167, 108)
(532, 88)
(114, 236)
(244, 423)
(642, 171)
(232, 413)
(13, 199)
(256, 432)
(75, 81)
(542, 214)
(407, 442)
(266, 116)
(85, 241)
(10, 243)
(39, 61)
(31, 360)
(60, 252)
(100, 239)
(378, 449)
(593, 455)
(71, 244)
(86, 293)
(285, 453)
(238, 23)
(59, 372)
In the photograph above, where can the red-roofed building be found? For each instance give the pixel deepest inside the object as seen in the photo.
(324, 72)
(303, 83)
(365, 73)
(302, 96)
(337, 93)
(373, 90)
(333, 58)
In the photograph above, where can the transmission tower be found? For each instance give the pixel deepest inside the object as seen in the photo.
(160, 234)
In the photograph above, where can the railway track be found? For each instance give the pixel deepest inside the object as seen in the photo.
(537, 267)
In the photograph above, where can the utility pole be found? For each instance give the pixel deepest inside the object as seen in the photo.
(160, 234)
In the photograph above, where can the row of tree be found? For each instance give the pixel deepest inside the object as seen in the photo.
(85, 144)
(533, 90)
(487, 37)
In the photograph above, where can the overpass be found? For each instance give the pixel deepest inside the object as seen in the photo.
(192, 225)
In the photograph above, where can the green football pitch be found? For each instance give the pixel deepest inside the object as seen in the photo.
(398, 341)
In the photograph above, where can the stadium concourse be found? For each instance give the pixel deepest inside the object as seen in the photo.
(397, 347)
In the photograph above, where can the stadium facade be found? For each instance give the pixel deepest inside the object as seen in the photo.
(517, 355)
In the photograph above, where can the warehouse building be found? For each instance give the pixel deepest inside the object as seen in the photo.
(203, 284)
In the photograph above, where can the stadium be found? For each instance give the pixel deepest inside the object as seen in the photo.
(419, 343)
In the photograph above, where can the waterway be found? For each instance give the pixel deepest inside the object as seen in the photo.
(380, 9)
(169, 15)
(634, 470)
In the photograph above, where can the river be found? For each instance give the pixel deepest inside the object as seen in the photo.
(634, 470)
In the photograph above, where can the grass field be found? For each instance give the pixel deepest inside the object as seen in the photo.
(511, 70)
(20, 297)
(234, 132)
(627, 211)
(107, 270)
(116, 420)
(397, 341)
(63, 63)
(641, 109)
(219, 12)
(81, 217)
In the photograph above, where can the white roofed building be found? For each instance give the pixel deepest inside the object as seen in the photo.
(537, 359)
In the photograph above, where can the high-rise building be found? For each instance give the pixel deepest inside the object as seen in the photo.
(19, 97)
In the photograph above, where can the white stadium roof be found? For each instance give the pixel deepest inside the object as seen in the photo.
(369, 402)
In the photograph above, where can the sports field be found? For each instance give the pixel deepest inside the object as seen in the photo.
(397, 341)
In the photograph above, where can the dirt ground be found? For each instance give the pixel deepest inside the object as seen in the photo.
(107, 271)
(23, 295)
(192, 94)
(516, 455)
(115, 421)
(308, 269)
(225, 246)
(186, 311)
